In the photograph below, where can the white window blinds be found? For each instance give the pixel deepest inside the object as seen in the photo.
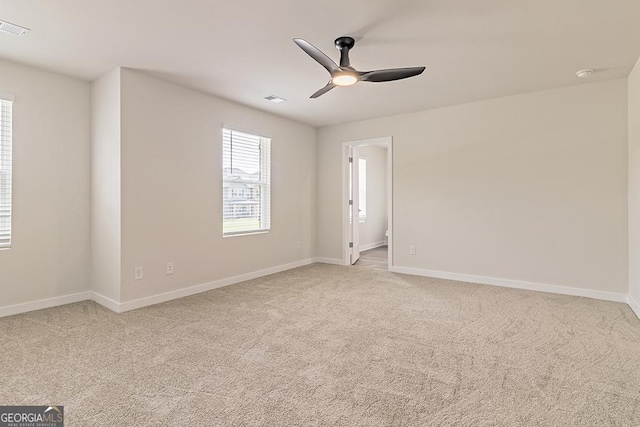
(5, 171)
(362, 193)
(246, 183)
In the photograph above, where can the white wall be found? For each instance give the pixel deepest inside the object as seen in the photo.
(172, 188)
(531, 187)
(528, 188)
(373, 230)
(49, 256)
(105, 186)
(634, 185)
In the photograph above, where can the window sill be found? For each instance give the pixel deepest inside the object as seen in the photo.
(245, 233)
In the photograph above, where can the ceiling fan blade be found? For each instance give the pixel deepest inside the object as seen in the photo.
(318, 55)
(324, 90)
(378, 76)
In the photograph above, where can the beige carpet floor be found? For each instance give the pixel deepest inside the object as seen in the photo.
(334, 346)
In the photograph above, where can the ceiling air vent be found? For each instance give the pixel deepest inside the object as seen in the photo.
(274, 98)
(15, 30)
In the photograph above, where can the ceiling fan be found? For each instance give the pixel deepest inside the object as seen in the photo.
(345, 74)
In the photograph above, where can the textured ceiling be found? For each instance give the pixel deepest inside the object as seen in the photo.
(243, 51)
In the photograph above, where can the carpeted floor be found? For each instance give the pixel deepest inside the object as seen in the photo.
(335, 346)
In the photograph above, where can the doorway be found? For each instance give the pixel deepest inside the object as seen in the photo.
(368, 200)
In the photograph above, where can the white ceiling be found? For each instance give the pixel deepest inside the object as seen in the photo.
(242, 50)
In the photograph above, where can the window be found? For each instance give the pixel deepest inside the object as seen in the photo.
(6, 104)
(246, 182)
(362, 193)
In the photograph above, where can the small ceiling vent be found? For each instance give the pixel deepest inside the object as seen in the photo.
(14, 30)
(274, 98)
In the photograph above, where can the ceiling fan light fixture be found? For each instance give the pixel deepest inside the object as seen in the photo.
(344, 74)
(344, 79)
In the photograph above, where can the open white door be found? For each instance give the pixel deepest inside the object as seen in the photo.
(354, 197)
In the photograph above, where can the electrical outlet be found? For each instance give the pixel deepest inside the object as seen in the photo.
(170, 267)
(412, 250)
(298, 246)
(139, 273)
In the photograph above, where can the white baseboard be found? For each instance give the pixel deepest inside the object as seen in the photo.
(192, 290)
(634, 305)
(372, 245)
(506, 283)
(105, 302)
(10, 310)
(335, 261)
(156, 299)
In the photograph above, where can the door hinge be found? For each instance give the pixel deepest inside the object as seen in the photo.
(350, 159)
(350, 202)
(350, 244)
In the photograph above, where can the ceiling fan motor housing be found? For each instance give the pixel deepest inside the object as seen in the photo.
(343, 44)
(345, 41)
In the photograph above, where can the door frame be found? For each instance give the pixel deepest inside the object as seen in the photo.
(388, 141)
(354, 207)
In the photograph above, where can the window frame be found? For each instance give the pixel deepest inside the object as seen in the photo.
(6, 147)
(264, 183)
